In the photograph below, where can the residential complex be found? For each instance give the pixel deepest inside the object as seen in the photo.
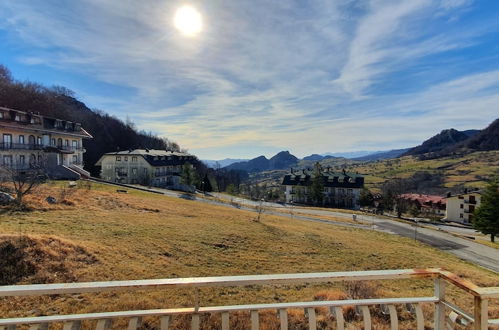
(159, 168)
(460, 207)
(340, 189)
(30, 140)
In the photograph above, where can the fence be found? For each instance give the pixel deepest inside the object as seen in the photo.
(442, 319)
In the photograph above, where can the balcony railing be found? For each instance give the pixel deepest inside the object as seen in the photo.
(103, 320)
(20, 146)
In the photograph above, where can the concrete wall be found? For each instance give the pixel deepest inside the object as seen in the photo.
(458, 208)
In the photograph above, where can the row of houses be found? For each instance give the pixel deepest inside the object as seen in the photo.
(32, 141)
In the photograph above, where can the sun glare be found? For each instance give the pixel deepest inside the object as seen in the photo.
(188, 20)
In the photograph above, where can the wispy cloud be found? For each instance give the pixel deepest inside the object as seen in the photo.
(311, 77)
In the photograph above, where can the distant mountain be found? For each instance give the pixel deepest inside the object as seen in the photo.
(379, 155)
(445, 139)
(349, 154)
(486, 139)
(314, 157)
(280, 161)
(222, 162)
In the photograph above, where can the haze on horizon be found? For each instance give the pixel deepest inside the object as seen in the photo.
(260, 76)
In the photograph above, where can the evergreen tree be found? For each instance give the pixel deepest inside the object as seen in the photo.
(188, 175)
(486, 216)
(317, 187)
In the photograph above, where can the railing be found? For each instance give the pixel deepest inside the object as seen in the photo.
(20, 146)
(479, 316)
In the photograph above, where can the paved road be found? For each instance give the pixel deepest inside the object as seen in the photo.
(465, 249)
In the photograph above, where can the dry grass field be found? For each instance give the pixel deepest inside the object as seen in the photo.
(95, 233)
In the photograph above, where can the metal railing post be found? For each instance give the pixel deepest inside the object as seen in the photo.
(481, 313)
(439, 306)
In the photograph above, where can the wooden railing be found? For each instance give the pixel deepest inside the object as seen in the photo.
(442, 318)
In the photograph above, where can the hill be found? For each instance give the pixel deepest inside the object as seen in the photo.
(279, 161)
(110, 133)
(443, 140)
(140, 235)
(487, 139)
(382, 155)
(221, 162)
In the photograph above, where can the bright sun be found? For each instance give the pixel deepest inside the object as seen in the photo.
(188, 20)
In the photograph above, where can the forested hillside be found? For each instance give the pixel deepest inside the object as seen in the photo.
(110, 133)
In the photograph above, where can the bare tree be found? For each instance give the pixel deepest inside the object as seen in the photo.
(22, 181)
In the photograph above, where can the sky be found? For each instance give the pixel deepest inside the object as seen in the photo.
(264, 76)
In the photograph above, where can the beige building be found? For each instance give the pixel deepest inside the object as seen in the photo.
(31, 140)
(158, 168)
(460, 208)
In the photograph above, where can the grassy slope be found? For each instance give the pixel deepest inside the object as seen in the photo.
(140, 235)
(470, 171)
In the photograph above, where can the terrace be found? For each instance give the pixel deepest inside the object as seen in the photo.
(445, 313)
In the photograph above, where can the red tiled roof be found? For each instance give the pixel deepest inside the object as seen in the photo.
(424, 199)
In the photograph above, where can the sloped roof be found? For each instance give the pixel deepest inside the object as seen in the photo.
(424, 199)
(331, 179)
(154, 157)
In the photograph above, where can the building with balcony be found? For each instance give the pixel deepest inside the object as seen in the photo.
(340, 189)
(460, 207)
(31, 140)
(158, 168)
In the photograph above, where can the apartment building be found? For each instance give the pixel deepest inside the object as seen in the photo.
(31, 140)
(340, 189)
(158, 168)
(460, 207)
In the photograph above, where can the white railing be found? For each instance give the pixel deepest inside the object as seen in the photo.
(442, 319)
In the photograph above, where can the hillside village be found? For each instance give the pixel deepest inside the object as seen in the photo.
(148, 198)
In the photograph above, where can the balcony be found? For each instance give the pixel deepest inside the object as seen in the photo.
(20, 146)
(445, 313)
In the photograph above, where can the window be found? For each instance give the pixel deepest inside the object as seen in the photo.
(52, 142)
(461, 206)
(7, 160)
(126, 159)
(134, 171)
(134, 158)
(22, 159)
(74, 144)
(59, 142)
(109, 166)
(7, 140)
(66, 142)
(38, 140)
(461, 215)
(75, 159)
(118, 158)
(21, 139)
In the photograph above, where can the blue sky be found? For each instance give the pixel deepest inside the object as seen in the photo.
(264, 76)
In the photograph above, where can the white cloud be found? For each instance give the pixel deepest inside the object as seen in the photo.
(263, 72)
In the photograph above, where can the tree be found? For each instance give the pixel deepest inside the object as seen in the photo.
(317, 187)
(486, 216)
(187, 176)
(366, 198)
(23, 182)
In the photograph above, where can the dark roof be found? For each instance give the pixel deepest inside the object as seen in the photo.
(157, 157)
(331, 179)
(43, 123)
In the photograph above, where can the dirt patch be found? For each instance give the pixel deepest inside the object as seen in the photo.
(28, 259)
